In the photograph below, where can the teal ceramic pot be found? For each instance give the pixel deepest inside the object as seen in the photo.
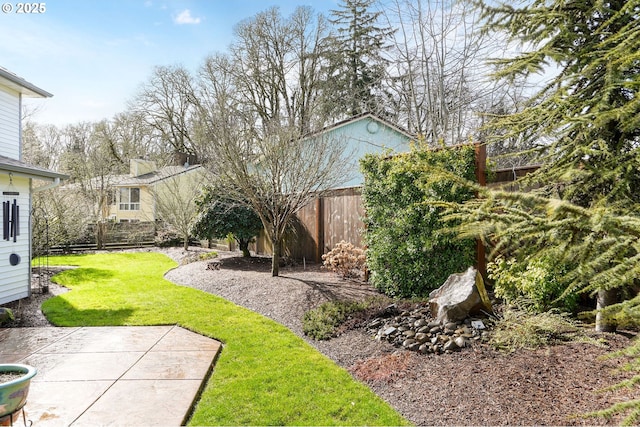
(13, 394)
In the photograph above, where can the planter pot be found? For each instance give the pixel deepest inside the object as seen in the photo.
(13, 394)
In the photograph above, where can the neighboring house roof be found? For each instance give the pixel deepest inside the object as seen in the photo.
(153, 177)
(16, 166)
(360, 117)
(11, 80)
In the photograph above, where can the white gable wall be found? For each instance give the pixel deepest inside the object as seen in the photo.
(15, 281)
(9, 123)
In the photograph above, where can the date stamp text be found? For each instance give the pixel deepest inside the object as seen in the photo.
(23, 8)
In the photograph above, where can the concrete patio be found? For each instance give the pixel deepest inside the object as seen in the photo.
(139, 375)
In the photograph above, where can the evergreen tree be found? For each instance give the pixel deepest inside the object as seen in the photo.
(357, 66)
(586, 208)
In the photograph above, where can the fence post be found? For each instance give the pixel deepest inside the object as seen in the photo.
(481, 176)
(319, 228)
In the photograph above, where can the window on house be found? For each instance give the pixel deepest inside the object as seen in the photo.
(129, 199)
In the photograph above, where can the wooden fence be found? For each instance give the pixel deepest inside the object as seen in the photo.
(338, 215)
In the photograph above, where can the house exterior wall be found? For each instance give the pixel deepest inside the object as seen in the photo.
(178, 189)
(366, 136)
(145, 213)
(9, 123)
(15, 281)
(176, 194)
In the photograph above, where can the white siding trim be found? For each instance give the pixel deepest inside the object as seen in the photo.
(9, 123)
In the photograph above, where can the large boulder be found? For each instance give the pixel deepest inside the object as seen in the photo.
(461, 295)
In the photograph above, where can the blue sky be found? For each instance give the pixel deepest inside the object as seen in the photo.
(93, 55)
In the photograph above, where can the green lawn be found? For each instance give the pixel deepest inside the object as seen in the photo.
(266, 375)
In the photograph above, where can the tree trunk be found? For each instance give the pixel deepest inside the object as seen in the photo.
(606, 297)
(275, 260)
(185, 243)
(244, 247)
(100, 234)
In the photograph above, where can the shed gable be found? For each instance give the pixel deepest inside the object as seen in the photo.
(365, 135)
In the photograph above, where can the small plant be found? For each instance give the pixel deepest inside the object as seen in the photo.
(321, 323)
(345, 259)
(6, 316)
(207, 255)
(517, 328)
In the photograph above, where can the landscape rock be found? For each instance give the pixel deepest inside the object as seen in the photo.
(461, 295)
(450, 346)
(416, 330)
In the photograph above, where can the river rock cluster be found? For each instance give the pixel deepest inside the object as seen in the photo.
(417, 330)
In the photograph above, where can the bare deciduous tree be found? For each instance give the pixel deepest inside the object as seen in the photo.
(275, 63)
(260, 157)
(166, 103)
(88, 161)
(436, 76)
(175, 199)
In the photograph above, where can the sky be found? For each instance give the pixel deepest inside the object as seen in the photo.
(93, 55)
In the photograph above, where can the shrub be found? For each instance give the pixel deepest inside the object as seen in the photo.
(207, 255)
(537, 280)
(410, 251)
(345, 259)
(320, 323)
(166, 238)
(517, 328)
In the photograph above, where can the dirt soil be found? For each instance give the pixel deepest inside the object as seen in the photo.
(476, 386)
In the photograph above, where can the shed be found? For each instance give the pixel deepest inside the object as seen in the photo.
(16, 188)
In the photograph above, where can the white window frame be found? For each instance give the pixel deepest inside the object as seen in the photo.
(126, 195)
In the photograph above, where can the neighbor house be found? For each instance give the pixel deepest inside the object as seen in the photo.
(364, 134)
(142, 194)
(18, 181)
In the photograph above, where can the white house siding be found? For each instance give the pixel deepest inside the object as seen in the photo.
(15, 280)
(9, 123)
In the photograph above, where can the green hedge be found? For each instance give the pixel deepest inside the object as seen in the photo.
(409, 252)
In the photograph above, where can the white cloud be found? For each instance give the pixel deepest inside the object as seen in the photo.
(185, 17)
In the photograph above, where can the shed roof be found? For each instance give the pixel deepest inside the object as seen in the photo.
(358, 117)
(17, 83)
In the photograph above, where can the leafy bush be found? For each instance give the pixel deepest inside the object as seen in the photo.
(345, 259)
(536, 279)
(409, 251)
(320, 323)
